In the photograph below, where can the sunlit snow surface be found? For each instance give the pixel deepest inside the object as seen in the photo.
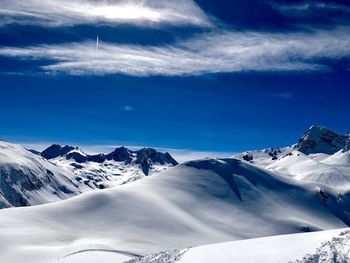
(196, 203)
(331, 170)
(332, 246)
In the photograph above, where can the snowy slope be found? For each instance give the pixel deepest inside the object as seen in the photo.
(27, 179)
(199, 202)
(331, 246)
(320, 156)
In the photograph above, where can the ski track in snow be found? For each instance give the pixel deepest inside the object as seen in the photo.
(125, 253)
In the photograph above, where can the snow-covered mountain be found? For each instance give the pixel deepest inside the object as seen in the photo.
(321, 140)
(146, 158)
(101, 171)
(199, 202)
(27, 178)
(320, 156)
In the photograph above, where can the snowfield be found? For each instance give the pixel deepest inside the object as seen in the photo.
(199, 202)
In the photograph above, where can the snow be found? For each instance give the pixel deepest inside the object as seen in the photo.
(107, 174)
(169, 256)
(315, 168)
(199, 202)
(329, 170)
(335, 250)
(331, 246)
(275, 249)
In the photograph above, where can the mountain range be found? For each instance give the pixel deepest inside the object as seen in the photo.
(30, 178)
(254, 195)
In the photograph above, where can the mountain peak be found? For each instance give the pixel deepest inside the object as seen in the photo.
(120, 154)
(56, 150)
(146, 157)
(318, 139)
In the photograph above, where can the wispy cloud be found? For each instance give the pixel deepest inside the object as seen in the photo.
(127, 108)
(73, 12)
(314, 12)
(308, 6)
(287, 95)
(220, 51)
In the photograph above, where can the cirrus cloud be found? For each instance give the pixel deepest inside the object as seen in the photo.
(220, 51)
(75, 12)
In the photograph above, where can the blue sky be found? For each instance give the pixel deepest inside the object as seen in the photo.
(187, 75)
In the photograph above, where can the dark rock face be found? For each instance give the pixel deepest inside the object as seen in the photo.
(155, 156)
(14, 183)
(79, 158)
(120, 154)
(98, 158)
(56, 150)
(321, 140)
(146, 157)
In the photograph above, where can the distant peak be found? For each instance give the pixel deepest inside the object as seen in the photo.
(121, 149)
(56, 150)
(319, 129)
(146, 157)
(319, 139)
(120, 154)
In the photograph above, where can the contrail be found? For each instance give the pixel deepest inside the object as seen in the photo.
(97, 40)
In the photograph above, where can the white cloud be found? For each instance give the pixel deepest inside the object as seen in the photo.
(220, 51)
(73, 12)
